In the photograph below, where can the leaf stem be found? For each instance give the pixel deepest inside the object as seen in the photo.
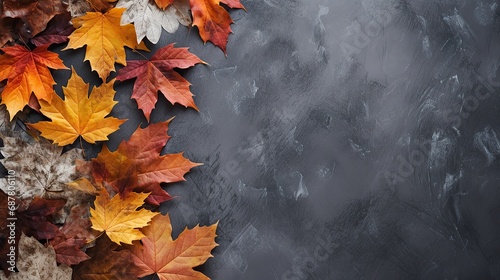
(136, 51)
(83, 150)
(95, 238)
(24, 42)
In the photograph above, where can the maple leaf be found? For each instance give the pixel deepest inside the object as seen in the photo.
(78, 114)
(35, 220)
(36, 262)
(106, 263)
(73, 236)
(173, 259)
(149, 19)
(35, 14)
(32, 220)
(57, 31)
(105, 39)
(137, 160)
(68, 251)
(119, 218)
(157, 74)
(27, 72)
(78, 225)
(42, 170)
(213, 21)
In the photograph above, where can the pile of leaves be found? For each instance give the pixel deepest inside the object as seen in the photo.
(78, 218)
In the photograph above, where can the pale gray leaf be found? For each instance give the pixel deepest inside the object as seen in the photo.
(42, 170)
(149, 20)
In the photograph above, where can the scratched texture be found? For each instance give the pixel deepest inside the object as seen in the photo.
(341, 139)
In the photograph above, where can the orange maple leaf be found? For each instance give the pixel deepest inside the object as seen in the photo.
(173, 259)
(213, 21)
(119, 218)
(105, 39)
(78, 114)
(137, 165)
(158, 74)
(27, 72)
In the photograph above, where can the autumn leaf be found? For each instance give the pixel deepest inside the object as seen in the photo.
(42, 169)
(100, 5)
(84, 185)
(36, 262)
(173, 259)
(57, 31)
(32, 220)
(137, 165)
(78, 224)
(78, 114)
(35, 14)
(73, 236)
(10, 129)
(119, 217)
(4, 200)
(6, 126)
(35, 219)
(213, 21)
(149, 18)
(68, 251)
(105, 39)
(157, 74)
(5, 233)
(106, 263)
(6, 31)
(78, 8)
(27, 72)
(163, 3)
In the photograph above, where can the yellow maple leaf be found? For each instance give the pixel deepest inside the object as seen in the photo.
(105, 39)
(119, 217)
(78, 114)
(173, 259)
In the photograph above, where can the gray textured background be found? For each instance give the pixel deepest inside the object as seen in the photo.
(341, 140)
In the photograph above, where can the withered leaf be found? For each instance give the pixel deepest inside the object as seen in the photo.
(41, 169)
(57, 31)
(36, 262)
(106, 263)
(35, 14)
